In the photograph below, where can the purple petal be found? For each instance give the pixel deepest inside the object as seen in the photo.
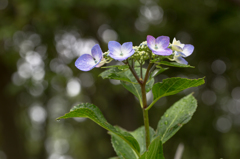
(127, 47)
(163, 52)
(114, 47)
(181, 60)
(188, 50)
(85, 62)
(121, 57)
(151, 42)
(97, 53)
(163, 42)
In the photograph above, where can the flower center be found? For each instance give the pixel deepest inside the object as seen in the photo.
(156, 47)
(121, 54)
(94, 60)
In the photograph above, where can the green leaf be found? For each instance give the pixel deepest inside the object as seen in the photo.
(155, 150)
(157, 72)
(92, 112)
(114, 158)
(115, 73)
(173, 64)
(139, 135)
(120, 67)
(175, 117)
(172, 86)
(134, 87)
(123, 150)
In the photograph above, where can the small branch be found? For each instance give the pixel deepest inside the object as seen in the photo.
(147, 73)
(151, 70)
(141, 70)
(134, 74)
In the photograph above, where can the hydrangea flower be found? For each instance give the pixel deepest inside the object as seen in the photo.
(181, 50)
(120, 52)
(160, 45)
(87, 62)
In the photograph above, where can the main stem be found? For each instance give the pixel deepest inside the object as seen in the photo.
(145, 115)
(142, 83)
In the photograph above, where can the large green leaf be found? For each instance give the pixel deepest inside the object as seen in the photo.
(175, 117)
(155, 150)
(172, 86)
(123, 150)
(134, 87)
(173, 64)
(140, 136)
(92, 112)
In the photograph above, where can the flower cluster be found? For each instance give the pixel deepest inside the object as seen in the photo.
(152, 48)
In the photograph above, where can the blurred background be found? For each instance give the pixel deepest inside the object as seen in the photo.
(41, 39)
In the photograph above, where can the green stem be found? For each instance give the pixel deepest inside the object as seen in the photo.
(144, 101)
(146, 123)
(145, 115)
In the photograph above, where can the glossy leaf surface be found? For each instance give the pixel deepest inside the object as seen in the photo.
(171, 86)
(92, 112)
(175, 117)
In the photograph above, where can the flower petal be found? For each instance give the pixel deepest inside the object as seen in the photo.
(127, 47)
(181, 60)
(163, 42)
(163, 52)
(123, 57)
(188, 50)
(97, 53)
(85, 62)
(177, 42)
(176, 48)
(114, 47)
(151, 42)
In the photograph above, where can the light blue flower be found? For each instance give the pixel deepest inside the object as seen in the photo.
(87, 62)
(181, 50)
(120, 52)
(160, 45)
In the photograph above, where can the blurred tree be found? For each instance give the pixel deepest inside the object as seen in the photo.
(41, 39)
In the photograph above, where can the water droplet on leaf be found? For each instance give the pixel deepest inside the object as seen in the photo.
(165, 122)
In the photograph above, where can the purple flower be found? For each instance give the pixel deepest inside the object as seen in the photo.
(87, 62)
(181, 50)
(160, 45)
(120, 52)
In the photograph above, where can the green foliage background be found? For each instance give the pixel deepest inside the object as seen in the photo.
(212, 26)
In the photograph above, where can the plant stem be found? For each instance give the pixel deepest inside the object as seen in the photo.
(144, 101)
(142, 83)
(134, 74)
(146, 124)
(145, 115)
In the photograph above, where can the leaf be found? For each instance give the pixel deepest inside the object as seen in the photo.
(139, 135)
(115, 73)
(92, 112)
(134, 87)
(175, 117)
(172, 86)
(155, 150)
(157, 72)
(114, 158)
(123, 150)
(173, 64)
(120, 67)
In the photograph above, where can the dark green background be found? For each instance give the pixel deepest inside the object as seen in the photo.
(212, 26)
